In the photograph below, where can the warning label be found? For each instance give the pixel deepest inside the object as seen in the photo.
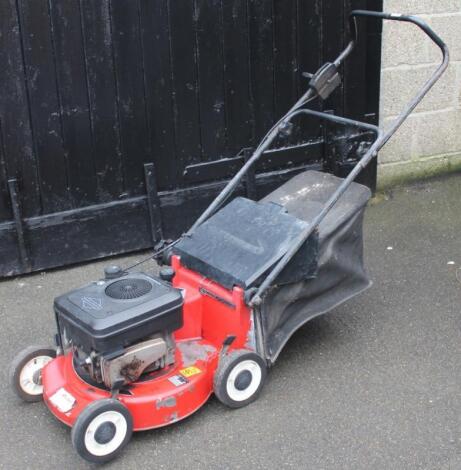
(190, 371)
(178, 380)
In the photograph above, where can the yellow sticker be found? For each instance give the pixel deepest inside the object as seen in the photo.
(190, 371)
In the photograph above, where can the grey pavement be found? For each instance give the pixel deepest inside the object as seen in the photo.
(374, 384)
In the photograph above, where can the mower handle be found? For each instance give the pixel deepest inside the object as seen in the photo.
(382, 139)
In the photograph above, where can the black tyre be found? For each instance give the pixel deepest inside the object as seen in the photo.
(26, 372)
(102, 430)
(239, 378)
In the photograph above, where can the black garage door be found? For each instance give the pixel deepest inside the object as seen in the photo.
(104, 103)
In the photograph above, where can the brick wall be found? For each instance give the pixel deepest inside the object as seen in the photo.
(430, 141)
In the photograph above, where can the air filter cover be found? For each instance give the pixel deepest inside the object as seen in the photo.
(127, 289)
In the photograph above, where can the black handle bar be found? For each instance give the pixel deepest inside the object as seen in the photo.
(383, 137)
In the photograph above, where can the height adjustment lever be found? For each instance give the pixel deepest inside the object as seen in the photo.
(325, 80)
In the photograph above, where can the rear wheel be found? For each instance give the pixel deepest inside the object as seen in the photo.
(239, 378)
(26, 372)
(102, 430)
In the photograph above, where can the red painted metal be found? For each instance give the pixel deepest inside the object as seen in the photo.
(211, 313)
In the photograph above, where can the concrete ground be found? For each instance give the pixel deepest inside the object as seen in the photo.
(375, 384)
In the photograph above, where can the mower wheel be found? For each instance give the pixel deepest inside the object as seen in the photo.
(102, 430)
(239, 378)
(26, 372)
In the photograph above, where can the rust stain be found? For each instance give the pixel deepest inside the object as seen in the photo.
(192, 352)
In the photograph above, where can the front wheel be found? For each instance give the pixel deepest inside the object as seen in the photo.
(26, 372)
(239, 378)
(102, 430)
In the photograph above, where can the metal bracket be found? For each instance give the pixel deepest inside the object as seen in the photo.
(325, 80)
(153, 203)
(18, 222)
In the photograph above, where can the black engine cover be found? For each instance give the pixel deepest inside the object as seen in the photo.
(109, 314)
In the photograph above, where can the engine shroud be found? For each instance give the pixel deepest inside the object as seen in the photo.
(109, 314)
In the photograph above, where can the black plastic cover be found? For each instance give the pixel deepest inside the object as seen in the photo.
(242, 241)
(96, 321)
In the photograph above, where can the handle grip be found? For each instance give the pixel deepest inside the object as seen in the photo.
(397, 17)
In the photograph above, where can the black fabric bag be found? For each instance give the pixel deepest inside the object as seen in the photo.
(340, 270)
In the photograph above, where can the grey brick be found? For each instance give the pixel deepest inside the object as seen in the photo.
(437, 133)
(392, 173)
(399, 85)
(404, 43)
(458, 86)
(449, 29)
(400, 147)
(422, 6)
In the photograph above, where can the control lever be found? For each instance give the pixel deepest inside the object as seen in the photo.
(325, 80)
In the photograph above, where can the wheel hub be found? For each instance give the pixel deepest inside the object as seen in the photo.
(30, 378)
(105, 432)
(37, 377)
(243, 380)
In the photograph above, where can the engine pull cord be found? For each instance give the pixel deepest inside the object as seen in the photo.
(153, 255)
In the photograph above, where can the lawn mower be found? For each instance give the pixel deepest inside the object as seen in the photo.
(137, 351)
